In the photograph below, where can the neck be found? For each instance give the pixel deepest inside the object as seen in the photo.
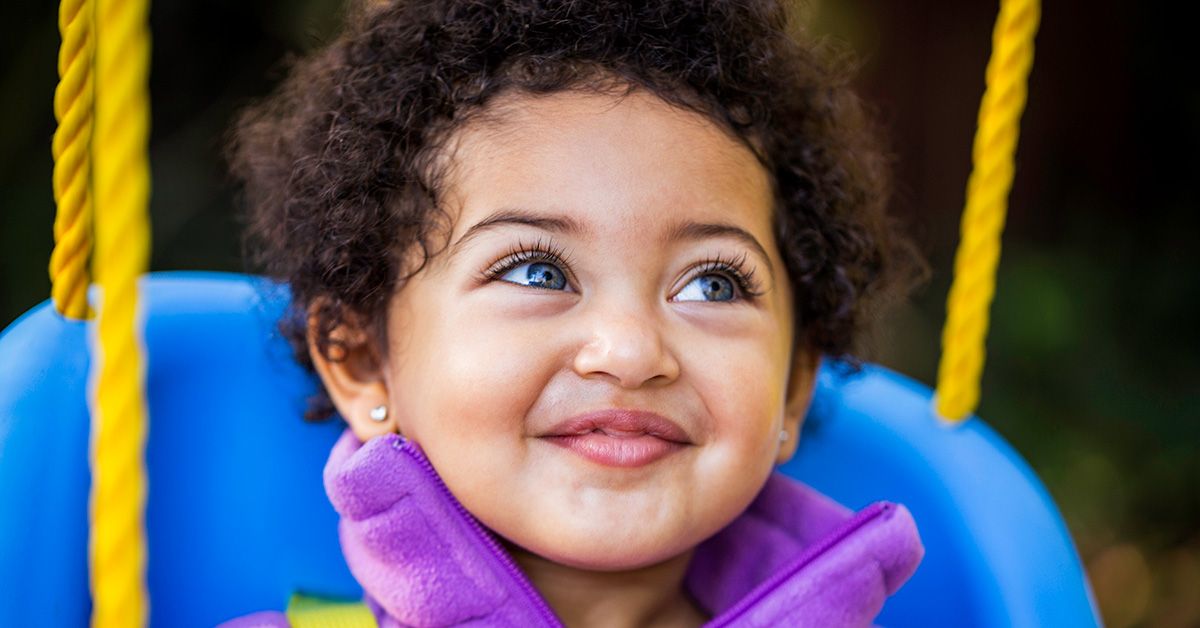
(649, 596)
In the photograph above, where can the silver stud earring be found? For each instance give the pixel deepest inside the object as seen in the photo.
(783, 436)
(379, 413)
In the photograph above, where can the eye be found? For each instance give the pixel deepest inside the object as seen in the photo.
(710, 287)
(536, 275)
(721, 280)
(539, 265)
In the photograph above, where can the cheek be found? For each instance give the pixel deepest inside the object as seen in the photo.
(462, 376)
(742, 379)
(743, 389)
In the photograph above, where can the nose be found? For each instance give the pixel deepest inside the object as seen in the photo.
(626, 345)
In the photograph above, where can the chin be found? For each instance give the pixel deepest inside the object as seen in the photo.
(617, 553)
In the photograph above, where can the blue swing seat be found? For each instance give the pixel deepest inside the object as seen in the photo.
(237, 519)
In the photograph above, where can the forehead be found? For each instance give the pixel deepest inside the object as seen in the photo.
(608, 162)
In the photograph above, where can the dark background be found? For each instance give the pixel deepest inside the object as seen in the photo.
(1093, 371)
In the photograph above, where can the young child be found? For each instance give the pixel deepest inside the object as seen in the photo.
(567, 270)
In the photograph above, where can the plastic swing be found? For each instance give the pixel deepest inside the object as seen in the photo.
(233, 517)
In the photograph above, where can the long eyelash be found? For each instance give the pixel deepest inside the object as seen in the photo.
(521, 253)
(736, 269)
(548, 251)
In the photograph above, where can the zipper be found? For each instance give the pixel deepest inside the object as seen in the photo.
(498, 552)
(810, 553)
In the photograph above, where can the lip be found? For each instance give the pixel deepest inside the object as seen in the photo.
(619, 437)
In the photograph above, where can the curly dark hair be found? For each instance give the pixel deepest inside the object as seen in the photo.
(339, 164)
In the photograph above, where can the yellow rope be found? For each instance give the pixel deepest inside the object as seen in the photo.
(983, 219)
(122, 190)
(72, 167)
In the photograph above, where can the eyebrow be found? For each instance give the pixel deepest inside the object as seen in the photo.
(688, 230)
(692, 231)
(515, 216)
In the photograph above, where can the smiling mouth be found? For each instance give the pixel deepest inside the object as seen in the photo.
(619, 437)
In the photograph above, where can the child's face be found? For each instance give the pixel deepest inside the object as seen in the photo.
(480, 371)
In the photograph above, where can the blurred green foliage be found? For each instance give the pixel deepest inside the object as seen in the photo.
(1093, 368)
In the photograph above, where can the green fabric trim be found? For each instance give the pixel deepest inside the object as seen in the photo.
(305, 611)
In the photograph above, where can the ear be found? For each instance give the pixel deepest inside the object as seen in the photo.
(801, 383)
(353, 374)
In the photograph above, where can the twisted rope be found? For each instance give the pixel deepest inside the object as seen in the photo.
(72, 167)
(978, 252)
(122, 188)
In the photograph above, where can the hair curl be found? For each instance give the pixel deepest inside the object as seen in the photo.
(339, 168)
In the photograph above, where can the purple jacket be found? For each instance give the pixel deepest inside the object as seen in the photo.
(794, 558)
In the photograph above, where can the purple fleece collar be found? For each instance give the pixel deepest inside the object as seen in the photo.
(795, 557)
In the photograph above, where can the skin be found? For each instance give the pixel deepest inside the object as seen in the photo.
(475, 369)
